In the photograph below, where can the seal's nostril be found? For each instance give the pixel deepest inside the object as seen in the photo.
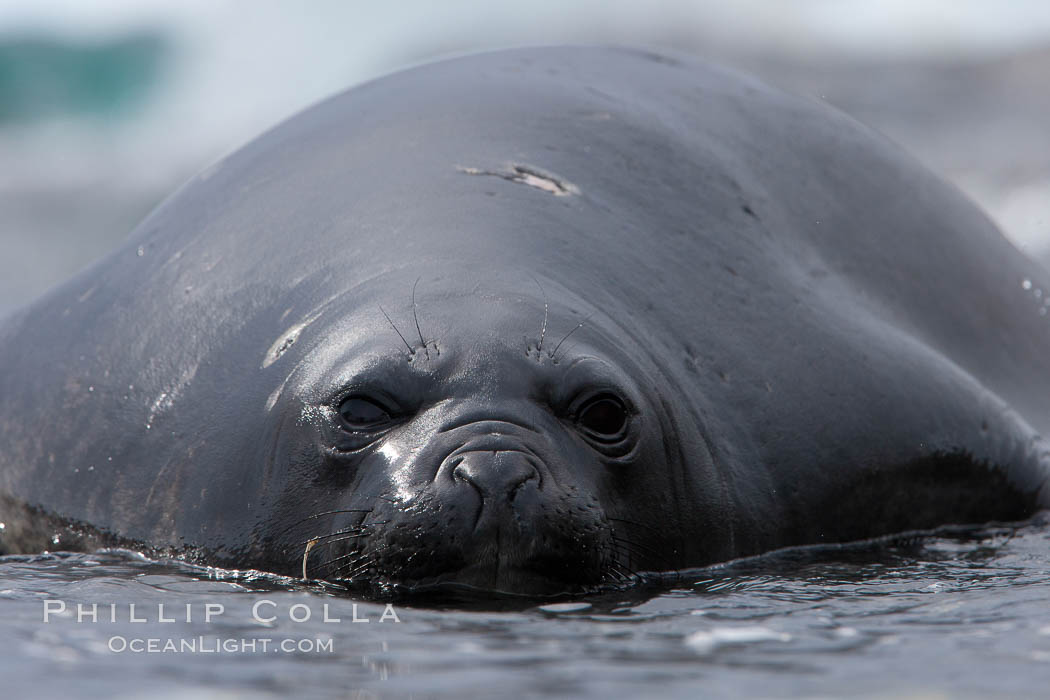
(495, 474)
(458, 472)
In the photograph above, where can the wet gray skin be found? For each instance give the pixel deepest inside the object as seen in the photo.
(532, 322)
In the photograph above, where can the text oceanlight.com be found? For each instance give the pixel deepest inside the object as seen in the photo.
(215, 645)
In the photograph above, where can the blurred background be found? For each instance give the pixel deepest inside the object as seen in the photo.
(107, 105)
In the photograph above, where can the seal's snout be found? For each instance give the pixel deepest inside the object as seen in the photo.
(505, 496)
(497, 475)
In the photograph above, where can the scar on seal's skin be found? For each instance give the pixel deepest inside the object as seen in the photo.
(528, 175)
(287, 339)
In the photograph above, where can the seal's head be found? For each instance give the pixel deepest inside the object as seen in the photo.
(497, 440)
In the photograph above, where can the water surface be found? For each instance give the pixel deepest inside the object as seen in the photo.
(958, 615)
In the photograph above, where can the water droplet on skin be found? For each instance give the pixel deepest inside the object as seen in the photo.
(1026, 285)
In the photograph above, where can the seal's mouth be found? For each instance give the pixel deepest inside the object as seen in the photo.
(501, 565)
(554, 552)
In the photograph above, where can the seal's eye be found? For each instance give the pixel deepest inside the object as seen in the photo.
(362, 413)
(604, 417)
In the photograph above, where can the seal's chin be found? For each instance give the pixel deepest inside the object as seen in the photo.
(548, 554)
(508, 568)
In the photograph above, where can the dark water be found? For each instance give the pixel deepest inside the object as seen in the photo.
(960, 615)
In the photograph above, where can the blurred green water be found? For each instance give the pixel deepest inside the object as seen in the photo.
(42, 77)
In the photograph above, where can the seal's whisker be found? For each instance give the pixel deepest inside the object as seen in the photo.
(349, 575)
(348, 559)
(363, 528)
(624, 553)
(306, 554)
(638, 560)
(566, 336)
(410, 350)
(350, 533)
(321, 515)
(355, 556)
(546, 307)
(337, 575)
(639, 551)
(623, 572)
(617, 568)
(410, 557)
(635, 523)
(336, 537)
(637, 545)
(570, 348)
(337, 567)
(624, 566)
(415, 317)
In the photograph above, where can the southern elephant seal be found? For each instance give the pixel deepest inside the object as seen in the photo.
(533, 321)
